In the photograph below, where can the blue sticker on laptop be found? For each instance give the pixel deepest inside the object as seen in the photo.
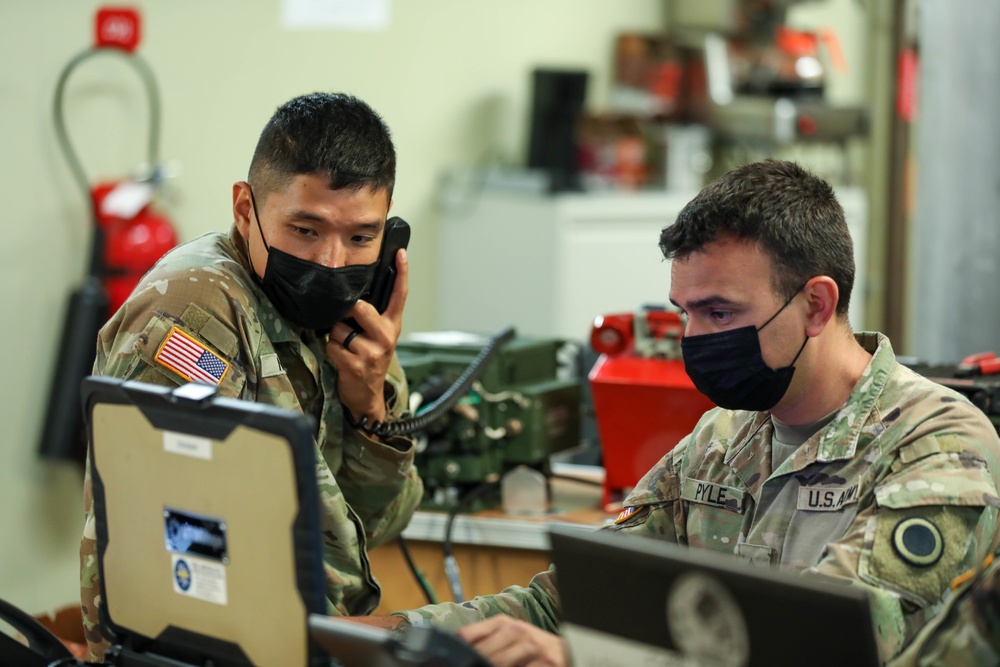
(195, 534)
(182, 574)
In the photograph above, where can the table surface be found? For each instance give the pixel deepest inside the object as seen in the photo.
(572, 502)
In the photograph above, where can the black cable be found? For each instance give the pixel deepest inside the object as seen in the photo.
(581, 480)
(425, 585)
(450, 564)
(62, 136)
(469, 195)
(434, 411)
(447, 400)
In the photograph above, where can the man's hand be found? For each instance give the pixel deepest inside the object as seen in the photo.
(363, 363)
(507, 642)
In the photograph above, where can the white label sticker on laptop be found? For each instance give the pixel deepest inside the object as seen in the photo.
(199, 578)
(593, 648)
(187, 445)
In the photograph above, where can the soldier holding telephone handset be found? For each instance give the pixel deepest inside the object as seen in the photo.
(300, 306)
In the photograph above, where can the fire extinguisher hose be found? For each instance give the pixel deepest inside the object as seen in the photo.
(63, 434)
(73, 159)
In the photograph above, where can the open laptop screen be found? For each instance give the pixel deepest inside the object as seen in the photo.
(207, 516)
(629, 600)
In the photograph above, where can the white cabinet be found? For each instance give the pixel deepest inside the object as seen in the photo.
(549, 264)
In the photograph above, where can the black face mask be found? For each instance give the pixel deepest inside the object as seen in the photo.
(308, 294)
(729, 369)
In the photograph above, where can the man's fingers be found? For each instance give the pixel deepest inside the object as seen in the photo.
(374, 323)
(374, 328)
(478, 631)
(400, 289)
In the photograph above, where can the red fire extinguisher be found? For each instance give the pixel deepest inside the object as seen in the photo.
(132, 242)
(128, 236)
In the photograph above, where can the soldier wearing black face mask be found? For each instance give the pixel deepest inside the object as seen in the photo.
(309, 294)
(727, 366)
(826, 457)
(258, 313)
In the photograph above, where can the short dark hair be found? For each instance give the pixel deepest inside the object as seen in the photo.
(330, 134)
(790, 213)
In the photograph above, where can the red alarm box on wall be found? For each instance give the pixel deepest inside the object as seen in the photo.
(644, 401)
(117, 28)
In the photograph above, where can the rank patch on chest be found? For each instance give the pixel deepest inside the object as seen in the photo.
(827, 498)
(187, 357)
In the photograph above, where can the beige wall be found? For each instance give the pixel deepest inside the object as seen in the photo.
(451, 78)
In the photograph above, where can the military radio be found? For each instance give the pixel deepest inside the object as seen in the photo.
(523, 408)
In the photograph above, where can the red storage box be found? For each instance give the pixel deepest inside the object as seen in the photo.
(644, 401)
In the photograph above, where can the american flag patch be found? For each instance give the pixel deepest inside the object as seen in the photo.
(625, 514)
(187, 357)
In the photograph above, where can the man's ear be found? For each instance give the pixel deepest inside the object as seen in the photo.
(822, 295)
(242, 208)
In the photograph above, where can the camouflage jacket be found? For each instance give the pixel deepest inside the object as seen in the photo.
(204, 291)
(903, 454)
(967, 632)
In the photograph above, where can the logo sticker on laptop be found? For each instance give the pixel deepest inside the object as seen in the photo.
(182, 574)
(198, 555)
(706, 623)
(199, 578)
(195, 534)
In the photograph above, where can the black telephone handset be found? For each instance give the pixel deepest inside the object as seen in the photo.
(396, 236)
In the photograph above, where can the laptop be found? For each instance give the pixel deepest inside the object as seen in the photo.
(207, 518)
(628, 600)
(208, 536)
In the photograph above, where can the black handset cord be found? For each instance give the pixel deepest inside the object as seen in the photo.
(446, 401)
(62, 136)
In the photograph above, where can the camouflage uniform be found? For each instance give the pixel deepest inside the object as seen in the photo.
(967, 632)
(902, 450)
(204, 288)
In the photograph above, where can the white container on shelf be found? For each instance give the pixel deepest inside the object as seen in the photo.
(549, 264)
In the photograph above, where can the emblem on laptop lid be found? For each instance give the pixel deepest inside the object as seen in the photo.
(706, 623)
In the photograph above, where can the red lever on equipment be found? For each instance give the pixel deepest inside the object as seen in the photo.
(983, 363)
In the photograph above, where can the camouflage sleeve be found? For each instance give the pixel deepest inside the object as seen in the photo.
(538, 604)
(928, 522)
(115, 357)
(967, 631)
(128, 344)
(122, 352)
(652, 508)
(379, 479)
(650, 511)
(90, 589)
(381, 485)
(90, 585)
